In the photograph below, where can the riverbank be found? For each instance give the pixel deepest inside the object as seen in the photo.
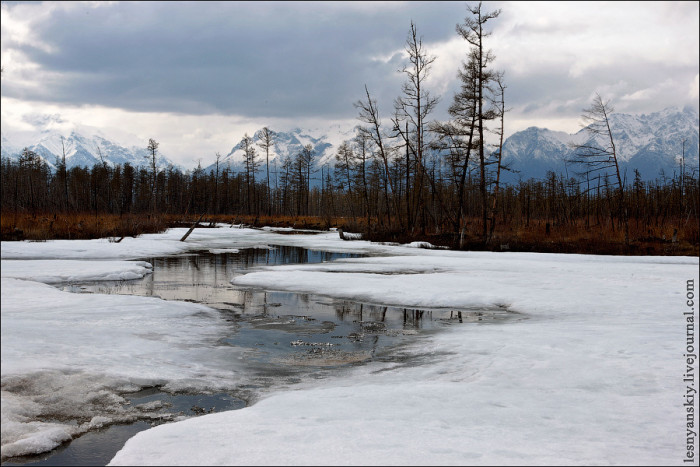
(673, 237)
(599, 330)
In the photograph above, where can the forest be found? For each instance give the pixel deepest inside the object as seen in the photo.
(400, 179)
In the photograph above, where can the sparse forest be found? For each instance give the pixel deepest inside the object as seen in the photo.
(403, 177)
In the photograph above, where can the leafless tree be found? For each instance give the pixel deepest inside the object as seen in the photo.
(473, 32)
(307, 155)
(369, 114)
(153, 150)
(216, 183)
(251, 166)
(599, 154)
(411, 110)
(64, 174)
(362, 142)
(499, 104)
(344, 166)
(266, 140)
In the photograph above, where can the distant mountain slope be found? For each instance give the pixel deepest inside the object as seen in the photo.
(649, 143)
(82, 151)
(289, 144)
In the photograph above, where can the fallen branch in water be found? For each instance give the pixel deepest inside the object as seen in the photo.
(191, 228)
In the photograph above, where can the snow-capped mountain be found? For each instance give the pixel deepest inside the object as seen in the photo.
(83, 151)
(7, 149)
(649, 143)
(289, 144)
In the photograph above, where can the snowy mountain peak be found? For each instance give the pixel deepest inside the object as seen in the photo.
(83, 150)
(649, 143)
(286, 144)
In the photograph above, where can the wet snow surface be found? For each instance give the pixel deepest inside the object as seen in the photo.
(585, 367)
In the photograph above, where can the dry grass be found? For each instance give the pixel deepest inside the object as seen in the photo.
(596, 239)
(297, 222)
(76, 226)
(569, 238)
(22, 226)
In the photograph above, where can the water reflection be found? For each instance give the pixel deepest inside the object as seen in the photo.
(205, 277)
(285, 332)
(286, 337)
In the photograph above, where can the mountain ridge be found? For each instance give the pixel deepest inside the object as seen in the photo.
(84, 151)
(650, 143)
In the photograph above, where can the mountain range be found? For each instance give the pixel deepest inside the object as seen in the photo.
(288, 144)
(83, 150)
(650, 143)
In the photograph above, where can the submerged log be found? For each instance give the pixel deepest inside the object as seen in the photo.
(191, 228)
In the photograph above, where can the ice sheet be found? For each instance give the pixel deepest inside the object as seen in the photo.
(67, 357)
(591, 374)
(54, 271)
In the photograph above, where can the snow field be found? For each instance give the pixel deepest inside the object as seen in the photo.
(589, 372)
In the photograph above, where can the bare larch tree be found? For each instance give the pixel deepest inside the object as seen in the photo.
(473, 32)
(599, 155)
(369, 114)
(153, 150)
(266, 140)
(410, 112)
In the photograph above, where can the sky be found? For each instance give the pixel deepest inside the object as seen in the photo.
(196, 76)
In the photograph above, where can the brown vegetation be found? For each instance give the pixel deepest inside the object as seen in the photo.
(537, 237)
(544, 237)
(413, 180)
(24, 226)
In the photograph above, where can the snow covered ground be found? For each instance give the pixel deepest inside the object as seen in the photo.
(591, 372)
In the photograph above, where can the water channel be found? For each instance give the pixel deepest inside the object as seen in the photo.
(287, 337)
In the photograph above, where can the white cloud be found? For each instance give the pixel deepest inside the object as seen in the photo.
(18, 28)
(185, 139)
(642, 55)
(587, 35)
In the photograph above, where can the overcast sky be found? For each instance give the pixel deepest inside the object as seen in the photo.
(195, 76)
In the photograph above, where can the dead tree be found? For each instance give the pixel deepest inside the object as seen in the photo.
(369, 114)
(500, 109)
(216, 184)
(266, 140)
(251, 166)
(473, 32)
(599, 154)
(152, 150)
(412, 109)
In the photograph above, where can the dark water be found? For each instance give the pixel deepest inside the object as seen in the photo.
(287, 336)
(93, 448)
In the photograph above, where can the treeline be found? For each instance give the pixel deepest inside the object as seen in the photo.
(356, 189)
(400, 177)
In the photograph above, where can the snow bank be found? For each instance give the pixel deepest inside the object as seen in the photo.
(218, 251)
(66, 357)
(590, 374)
(520, 282)
(168, 243)
(54, 271)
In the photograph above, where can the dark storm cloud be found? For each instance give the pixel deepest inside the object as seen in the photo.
(258, 59)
